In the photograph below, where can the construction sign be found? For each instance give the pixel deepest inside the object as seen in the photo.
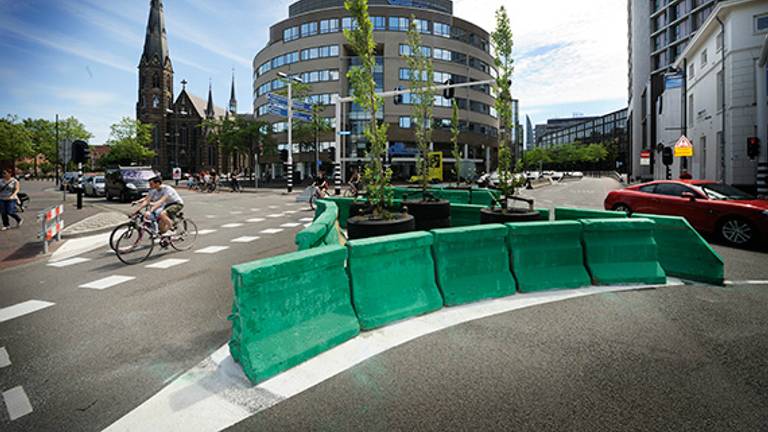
(435, 160)
(683, 147)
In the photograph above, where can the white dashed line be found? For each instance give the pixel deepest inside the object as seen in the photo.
(255, 220)
(276, 215)
(747, 282)
(245, 239)
(255, 209)
(211, 249)
(167, 263)
(235, 212)
(5, 359)
(306, 220)
(17, 403)
(210, 216)
(290, 225)
(107, 282)
(273, 207)
(206, 231)
(307, 225)
(21, 309)
(271, 231)
(232, 225)
(68, 262)
(291, 211)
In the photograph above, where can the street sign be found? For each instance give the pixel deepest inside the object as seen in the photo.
(683, 147)
(645, 158)
(345, 133)
(283, 112)
(176, 174)
(435, 165)
(282, 101)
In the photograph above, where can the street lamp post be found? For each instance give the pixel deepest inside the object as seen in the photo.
(290, 80)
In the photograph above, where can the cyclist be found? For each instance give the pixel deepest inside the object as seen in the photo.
(164, 204)
(321, 184)
(354, 182)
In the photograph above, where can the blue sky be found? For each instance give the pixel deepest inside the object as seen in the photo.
(79, 57)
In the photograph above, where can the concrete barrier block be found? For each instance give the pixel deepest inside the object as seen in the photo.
(567, 213)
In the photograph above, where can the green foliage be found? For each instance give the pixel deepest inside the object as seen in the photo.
(15, 140)
(128, 143)
(455, 150)
(422, 88)
(240, 136)
(569, 156)
(501, 38)
(375, 176)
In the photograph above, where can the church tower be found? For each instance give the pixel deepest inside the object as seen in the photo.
(232, 99)
(156, 84)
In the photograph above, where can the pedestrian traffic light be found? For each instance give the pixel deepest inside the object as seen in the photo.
(666, 156)
(80, 151)
(753, 147)
(398, 98)
(449, 92)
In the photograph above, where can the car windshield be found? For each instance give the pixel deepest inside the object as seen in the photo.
(134, 175)
(717, 191)
(98, 179)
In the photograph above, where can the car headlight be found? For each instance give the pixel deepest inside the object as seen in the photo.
(130, 186)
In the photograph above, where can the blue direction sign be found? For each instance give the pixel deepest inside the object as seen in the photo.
(345, 133)
(283, 112)
(283, 101)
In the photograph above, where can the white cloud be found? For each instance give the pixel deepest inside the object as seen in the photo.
(87, 98)
(583, 47)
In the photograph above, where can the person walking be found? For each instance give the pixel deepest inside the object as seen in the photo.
(9, 190)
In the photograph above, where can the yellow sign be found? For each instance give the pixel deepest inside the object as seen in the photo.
(683, 147)
(435, 165)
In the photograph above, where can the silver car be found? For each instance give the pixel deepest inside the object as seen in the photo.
(94, 186)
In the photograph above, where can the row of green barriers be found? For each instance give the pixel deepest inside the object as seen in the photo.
(289, 308)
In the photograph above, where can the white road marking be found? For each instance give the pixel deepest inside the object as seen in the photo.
(255, 220)
(17, 402)
(206, 231)
(165, 264)
(290, 225)
(69, 262)
(74, 247)
(211, 249)
(306, 220)
(276, 215)
(107, 282)
(255, 209)
(245, 239)
(307, 225)
(221, 395)
(210, 216)
(21, 309)
(5, 359)
(235, 212)
(271, 231)
(291, 211)
(232, 225)
(747, 282)
(273, 207)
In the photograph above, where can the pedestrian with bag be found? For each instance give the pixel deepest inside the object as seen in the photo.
(9, 190)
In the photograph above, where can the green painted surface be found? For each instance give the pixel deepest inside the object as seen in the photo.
(322, 231)
(343, 204)
(484, 197)
(564, 213)
(472, 263)
(547, 255)
(683, 252)
(454, 196)
(621, 251)
(465, 214)
(544, 213)
(288, 309)
(393, 278)
(320, 207)
(311, 237)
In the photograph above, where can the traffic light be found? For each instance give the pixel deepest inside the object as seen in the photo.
(80, 151)
(449, 92)
(332, 153)
(398, 98)
(753, 147)
(666, 156)
(284, 155)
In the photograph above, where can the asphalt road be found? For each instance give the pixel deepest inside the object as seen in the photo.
(96, 354)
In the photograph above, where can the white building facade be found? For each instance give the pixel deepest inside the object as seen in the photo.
(723, 73)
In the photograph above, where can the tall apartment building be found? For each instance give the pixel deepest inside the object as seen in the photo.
(310, 44)
(659, 31)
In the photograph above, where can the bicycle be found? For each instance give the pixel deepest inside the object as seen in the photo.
(317, 193)
(136, 244)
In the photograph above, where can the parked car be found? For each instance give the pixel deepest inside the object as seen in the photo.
(127, 183)
(94, 185)
(737, 217)
(68, 180)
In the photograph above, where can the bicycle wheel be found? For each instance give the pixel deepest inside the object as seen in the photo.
(186, 235)
(134, 246)
(117, 232)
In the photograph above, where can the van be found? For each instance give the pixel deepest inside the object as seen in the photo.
(128, 183)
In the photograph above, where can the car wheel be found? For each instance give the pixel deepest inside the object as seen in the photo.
(622, 208)
(737, 232)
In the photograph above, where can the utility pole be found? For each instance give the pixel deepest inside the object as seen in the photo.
(290, 126)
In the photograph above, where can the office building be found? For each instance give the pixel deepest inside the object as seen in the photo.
(556, 124)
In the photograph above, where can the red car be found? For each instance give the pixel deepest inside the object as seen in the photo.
(714, 208)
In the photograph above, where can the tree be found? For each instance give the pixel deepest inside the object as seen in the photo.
(128, 143)
(422, 97)
(455, 151)
(15, 141)
(43, 135)
(375, 176)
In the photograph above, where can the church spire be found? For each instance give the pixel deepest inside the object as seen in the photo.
(156, 42)
(209, 112)
(232, 98)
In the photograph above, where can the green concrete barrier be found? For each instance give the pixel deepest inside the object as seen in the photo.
(621, 251)
(322, 231)
(484, 197)
(544, 213)
(564, 213)
(320, 206)
(393, 278)
(465, 214)
(547, 255)
(311, 237)
(454, 196)
(683, 252)
(343, 205)
(288, 309)
(472, 263)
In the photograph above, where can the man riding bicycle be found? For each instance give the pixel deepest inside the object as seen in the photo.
(164, 204)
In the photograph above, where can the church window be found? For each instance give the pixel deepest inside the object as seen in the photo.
(155, 102)
(156, 80)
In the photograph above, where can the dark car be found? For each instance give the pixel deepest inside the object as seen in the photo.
(712, 208)
(68, 181)
(127, 183)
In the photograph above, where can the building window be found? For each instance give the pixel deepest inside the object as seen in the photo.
(405, 122)
(761, 23)
(691, 71)
(264, 88)
(379, 23)
(308, 29)
(398, 24)
(262, 110)
(704, 57)
(320, 52)
(691, 110)
(442, 54)
(422, 26)
(291, 33)
(719, 90)
(405, 50)
(440, 29)
(329, 26)
(719, 42)
(320, 76)
(348, 23)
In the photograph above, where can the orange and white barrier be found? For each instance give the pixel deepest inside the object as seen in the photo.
(51, 224)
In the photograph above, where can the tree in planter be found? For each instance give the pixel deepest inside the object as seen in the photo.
(376, 178)
(422, 97)
(455, 151)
